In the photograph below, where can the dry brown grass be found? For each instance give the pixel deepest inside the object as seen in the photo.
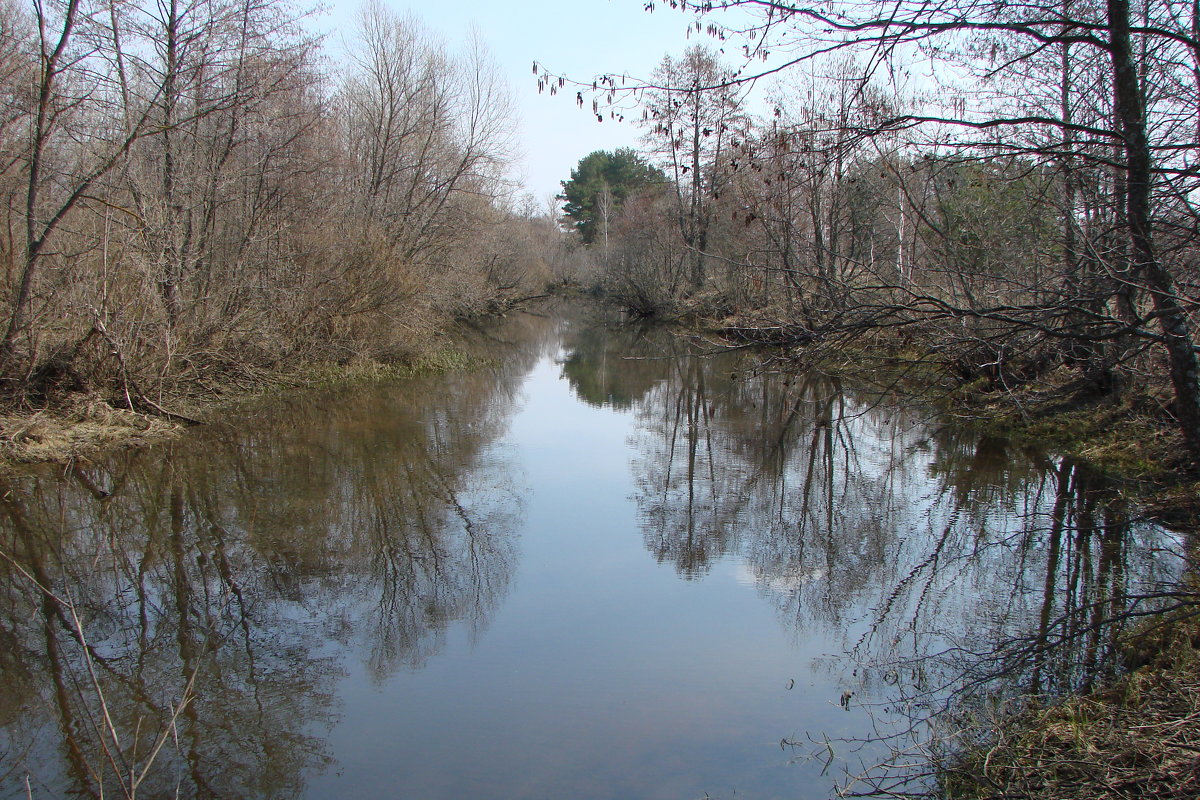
(1138, 740)
(81, 426)
(86, 426)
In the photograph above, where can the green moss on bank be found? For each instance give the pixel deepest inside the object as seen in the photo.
(436, 362)
(1127, 437)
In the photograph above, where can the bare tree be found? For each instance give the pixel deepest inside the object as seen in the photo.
(424, 130)
(188, 199)
(207, 70)
(72, 141)
(1112, 106)
(693, 118)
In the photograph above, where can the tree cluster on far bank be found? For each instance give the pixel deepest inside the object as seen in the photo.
(190, 199)
(600, 185)
(1036, 212)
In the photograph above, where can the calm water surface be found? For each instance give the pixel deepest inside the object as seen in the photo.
(603, 568)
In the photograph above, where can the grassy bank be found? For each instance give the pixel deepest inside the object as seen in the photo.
(80, 419)
(78, 428)
(82, 426)
(1137, 739)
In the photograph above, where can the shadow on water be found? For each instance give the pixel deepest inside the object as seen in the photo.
(175, 622)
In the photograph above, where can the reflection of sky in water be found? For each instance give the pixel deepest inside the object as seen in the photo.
(602, 674)
(448, 590)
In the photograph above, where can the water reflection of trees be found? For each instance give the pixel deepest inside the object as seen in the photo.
(792, 473)
(945, 558)
(609, 362)
(1072, 569)
(207, 590)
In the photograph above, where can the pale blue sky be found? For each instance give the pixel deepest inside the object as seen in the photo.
(581, 38)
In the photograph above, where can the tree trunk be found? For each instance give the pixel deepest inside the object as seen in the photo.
(35, 236)
(1181, 354)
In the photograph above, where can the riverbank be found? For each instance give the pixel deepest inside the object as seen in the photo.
(1138, 738)
(1129, 435)
(84, 426)
(1138, 734)
(78, 428)
(75, 425)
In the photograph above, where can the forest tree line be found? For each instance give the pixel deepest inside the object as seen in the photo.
(193, 197)
(1028, 203)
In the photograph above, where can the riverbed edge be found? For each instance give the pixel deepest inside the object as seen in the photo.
(1066, 748)
(1135, 736)
(83, 427)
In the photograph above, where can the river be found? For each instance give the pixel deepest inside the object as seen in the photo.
(607, 565)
